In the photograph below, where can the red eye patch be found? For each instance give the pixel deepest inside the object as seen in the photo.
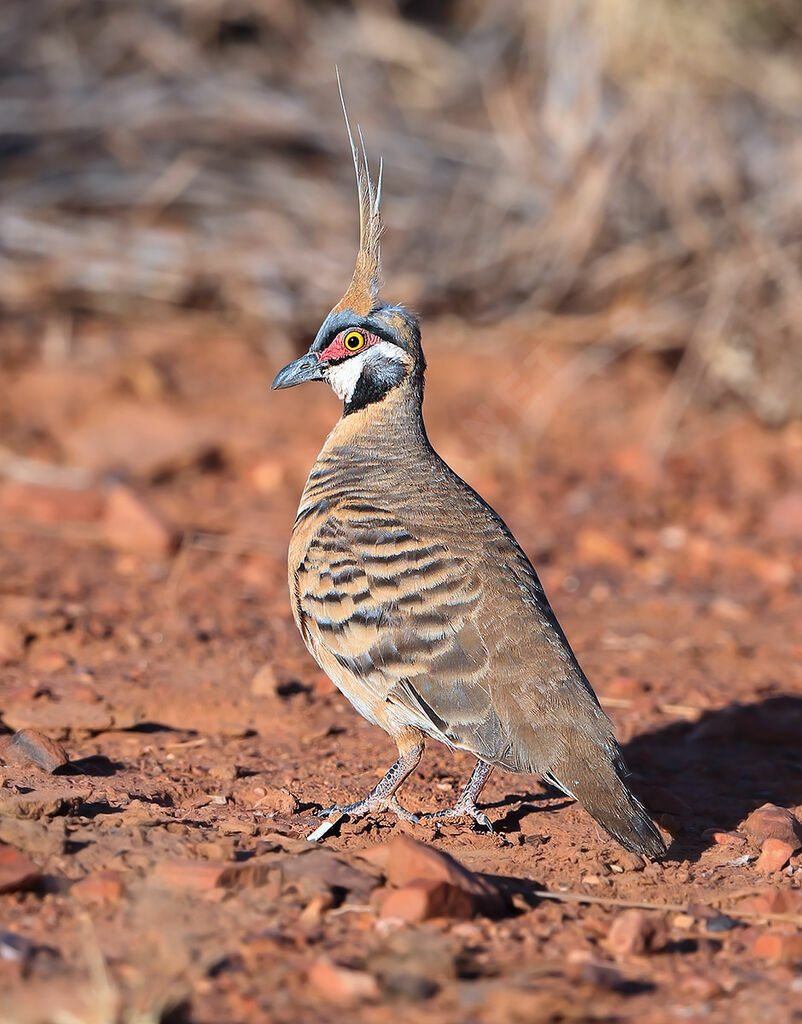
(348, 343)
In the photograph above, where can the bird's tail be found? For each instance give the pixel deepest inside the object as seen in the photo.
(600, 788)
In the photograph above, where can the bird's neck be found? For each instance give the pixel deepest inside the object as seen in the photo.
(393, 424)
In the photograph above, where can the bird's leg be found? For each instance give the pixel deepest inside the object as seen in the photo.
(466, 804)
(383, 796)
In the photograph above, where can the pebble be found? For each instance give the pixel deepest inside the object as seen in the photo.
(781, 947)
(130, 525)
(277, 800)
(265, 683)
(99, 887)
(409, 860)
(11, 643)
(342, 985)
(30, 748)
(722, 837)
(773, 822)
(16, 871)
(426, 898)
(774, 855)
(635, 932)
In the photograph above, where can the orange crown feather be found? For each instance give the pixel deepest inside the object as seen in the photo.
(363, 292)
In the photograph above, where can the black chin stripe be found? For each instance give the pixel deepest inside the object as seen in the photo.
(374, 383)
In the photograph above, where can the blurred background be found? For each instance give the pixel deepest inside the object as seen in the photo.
(610, 175)
(597, 209)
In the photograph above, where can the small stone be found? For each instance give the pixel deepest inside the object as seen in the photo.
(781, 947)
(774, 855)
(411, 861)
(723, 838)
(342, 985)
(775, 901)
(424, 899)
(129, 525)
(30, 748)
(594, 546)
(277, 800)
(47, 660)
(773, 822)
(265, 683)
(16, 871)
(721, 923)
(635, 932)
(99, 887)
(11, 643)
(266, 476)
(784, 515)
(197, 875)
(626, 860)
(683, 921)
(60, 717)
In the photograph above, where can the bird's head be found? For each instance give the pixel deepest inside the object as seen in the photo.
(365, 348)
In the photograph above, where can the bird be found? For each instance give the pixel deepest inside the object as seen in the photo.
(412, 594)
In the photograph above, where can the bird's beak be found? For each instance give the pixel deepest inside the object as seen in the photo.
(306, 368)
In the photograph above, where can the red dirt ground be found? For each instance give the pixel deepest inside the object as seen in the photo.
(145, 624)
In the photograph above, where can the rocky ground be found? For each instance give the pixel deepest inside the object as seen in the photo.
(167, 738)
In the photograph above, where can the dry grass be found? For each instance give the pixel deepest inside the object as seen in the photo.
(611, 172)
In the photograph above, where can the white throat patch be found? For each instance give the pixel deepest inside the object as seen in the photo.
(345, 377)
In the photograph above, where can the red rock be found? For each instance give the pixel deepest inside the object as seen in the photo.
(99, 887)
(207, 875)
(144, 439)
(634, 932)
(49, 504)
(594, 546)
(781, 947)
(775, 901)
(46, 659)
(342, 985)
(265, 682)
(266, 476)
(426, 898)
(277, 800)
(628, 860)
(773, 822)
(723, 838)
(11, 643)
(16, 871)
(625, 687)
(784, 515)
(199, 875)
(128, 524)
(29, 747)
(774, 855)
(410, 861)
(58, 716)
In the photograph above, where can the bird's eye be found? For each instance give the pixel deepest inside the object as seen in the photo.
(354, 341)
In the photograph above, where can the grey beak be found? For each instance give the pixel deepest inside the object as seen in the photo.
(306, 368)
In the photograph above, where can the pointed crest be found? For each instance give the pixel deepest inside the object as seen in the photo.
(363, 292)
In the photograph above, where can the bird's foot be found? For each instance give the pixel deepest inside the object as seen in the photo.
(461, 809)
(370, 805)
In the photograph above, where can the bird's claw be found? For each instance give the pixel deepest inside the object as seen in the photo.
(369, 806)
(461, 811)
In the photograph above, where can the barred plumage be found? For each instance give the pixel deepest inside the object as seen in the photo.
(415, 598)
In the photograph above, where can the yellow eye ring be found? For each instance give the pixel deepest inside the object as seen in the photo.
(353, 341)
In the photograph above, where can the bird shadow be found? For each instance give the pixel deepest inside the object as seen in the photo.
(711, 773)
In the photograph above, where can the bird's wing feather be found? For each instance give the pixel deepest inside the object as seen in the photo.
(456, 633)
